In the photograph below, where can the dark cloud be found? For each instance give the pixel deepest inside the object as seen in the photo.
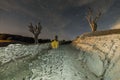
(65, 18)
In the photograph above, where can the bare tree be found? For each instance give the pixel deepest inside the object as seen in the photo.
(93, 18)
(35, 30)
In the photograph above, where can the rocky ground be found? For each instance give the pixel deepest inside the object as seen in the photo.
(45, 64)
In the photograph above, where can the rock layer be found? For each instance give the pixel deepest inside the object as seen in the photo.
(101, 54)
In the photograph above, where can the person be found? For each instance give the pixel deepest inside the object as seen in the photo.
(55, 43)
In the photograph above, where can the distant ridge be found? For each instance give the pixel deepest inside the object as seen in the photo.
(19, 38)
(101, 33)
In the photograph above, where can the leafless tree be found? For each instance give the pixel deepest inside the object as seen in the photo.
(35, 30)
(92, 18)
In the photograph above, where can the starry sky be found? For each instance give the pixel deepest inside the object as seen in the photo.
(65, 18)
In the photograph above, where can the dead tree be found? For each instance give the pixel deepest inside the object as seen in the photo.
(35, 30)
(93, 18)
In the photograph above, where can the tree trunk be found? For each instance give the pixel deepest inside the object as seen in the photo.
(93, 26)
(36, 39)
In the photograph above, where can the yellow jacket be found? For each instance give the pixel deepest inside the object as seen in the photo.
(55, 44)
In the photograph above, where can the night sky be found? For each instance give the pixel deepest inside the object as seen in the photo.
(65, 18)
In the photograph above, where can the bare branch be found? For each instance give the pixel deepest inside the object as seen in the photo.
(98, 16)
(31, 28)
